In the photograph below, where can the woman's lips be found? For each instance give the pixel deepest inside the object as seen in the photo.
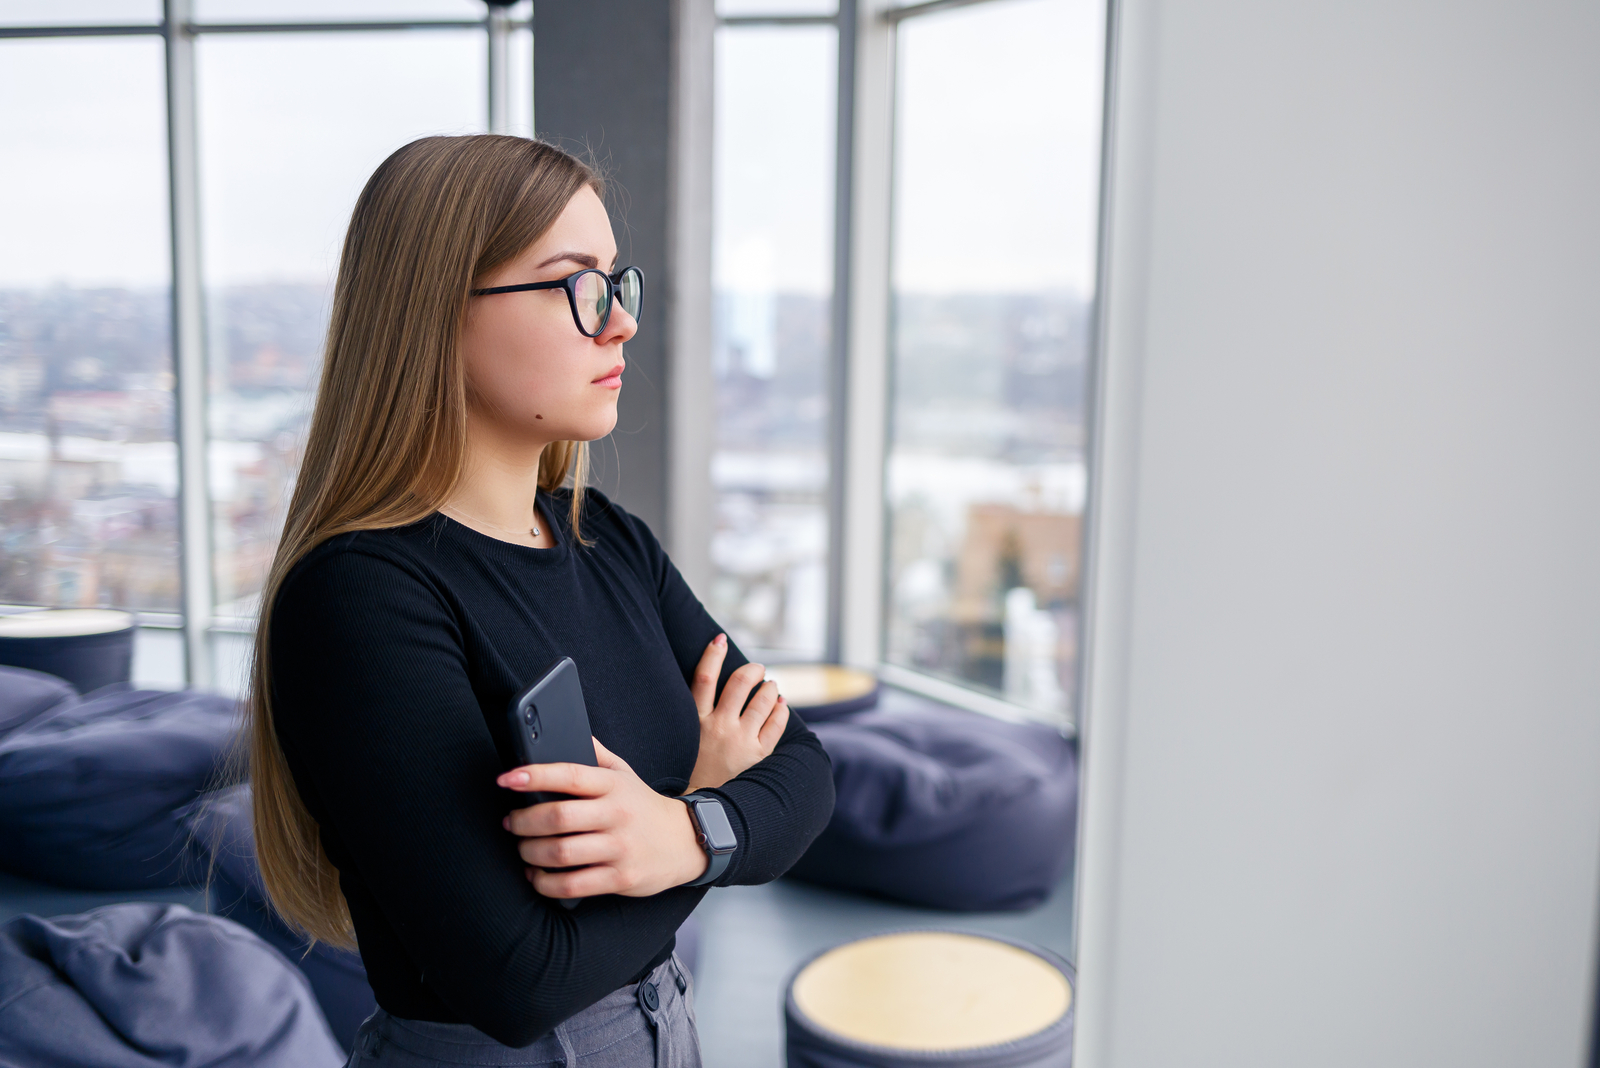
(612, 379)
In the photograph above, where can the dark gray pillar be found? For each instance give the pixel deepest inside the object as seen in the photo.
(602, 73)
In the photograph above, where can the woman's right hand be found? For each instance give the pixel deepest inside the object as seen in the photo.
(733, 736)
(615, 835)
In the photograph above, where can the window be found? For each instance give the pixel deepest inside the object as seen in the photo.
(291, 127)
(330, 10)
(773, 285)
(975, 242)
(997, 147)
(88, 465)
(290, 121)
(81, 12)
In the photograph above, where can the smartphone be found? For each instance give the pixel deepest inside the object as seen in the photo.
(549, 723)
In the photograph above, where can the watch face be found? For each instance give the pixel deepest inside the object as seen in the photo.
(714, 824)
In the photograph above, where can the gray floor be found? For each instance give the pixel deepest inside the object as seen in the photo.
(752, 937)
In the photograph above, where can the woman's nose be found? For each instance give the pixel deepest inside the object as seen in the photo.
(620, 327)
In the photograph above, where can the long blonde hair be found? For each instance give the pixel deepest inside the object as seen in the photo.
(388, 433)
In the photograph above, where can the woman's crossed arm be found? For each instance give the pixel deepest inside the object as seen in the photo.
(622, 836)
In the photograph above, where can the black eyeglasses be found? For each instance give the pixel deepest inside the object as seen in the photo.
(591, 294)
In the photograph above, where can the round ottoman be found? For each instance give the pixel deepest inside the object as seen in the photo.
(820, 692)
(89, 647)
(930, 997)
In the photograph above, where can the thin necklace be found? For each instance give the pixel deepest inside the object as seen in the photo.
(533, 531)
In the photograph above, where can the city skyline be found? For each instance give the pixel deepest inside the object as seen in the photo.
(91, 518)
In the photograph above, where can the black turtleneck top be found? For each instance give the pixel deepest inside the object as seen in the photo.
(393, 657)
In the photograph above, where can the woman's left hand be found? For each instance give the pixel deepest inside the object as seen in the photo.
(628, 839)
(740, 730)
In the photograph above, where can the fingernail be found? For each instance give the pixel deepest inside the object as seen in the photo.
(720, 640)
(506, 823)
(514, 778)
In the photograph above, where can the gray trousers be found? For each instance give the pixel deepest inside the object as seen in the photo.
(631, 1027)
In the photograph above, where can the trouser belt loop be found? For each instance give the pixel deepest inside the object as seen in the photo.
(569, 1056)
(678, 977)
(372, 1042)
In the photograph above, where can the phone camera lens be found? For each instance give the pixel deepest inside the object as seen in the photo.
(527, 715)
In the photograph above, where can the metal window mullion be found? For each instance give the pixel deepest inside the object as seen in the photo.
(839, 333)
(911, 11)
(198, 28)
(334, 27)
(690, 384)
(499, 36)
(35, 32)
(783, 20)
(188, 344)
(862, 365)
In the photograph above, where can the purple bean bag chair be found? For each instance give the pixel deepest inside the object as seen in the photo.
(26, 695)
(223, 837)
(150, 986)
(946, 809)
(90, 786)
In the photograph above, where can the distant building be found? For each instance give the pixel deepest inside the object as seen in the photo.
(21, 380)
(142, 414)
(1006, 547)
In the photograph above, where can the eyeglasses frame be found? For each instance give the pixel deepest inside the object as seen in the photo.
(570, 285)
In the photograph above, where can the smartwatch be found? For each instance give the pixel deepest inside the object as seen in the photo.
(714, 833)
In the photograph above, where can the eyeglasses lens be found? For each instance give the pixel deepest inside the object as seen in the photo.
(632, 286)
(593, 292)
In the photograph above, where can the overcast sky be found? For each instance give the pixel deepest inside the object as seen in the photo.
(998, 146)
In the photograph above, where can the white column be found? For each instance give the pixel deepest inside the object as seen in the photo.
(1342, 737)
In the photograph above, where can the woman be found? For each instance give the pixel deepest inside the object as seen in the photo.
(432, 565)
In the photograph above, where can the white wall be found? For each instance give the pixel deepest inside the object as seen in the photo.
(1343, 756)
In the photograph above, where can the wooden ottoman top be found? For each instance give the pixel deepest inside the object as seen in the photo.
(64, 623)
(808, 685)
(932, 990)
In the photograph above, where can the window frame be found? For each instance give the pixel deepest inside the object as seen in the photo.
(859, 341)
(861, 395)
(200, 626)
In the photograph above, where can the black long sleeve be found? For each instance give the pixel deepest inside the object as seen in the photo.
(393, 657)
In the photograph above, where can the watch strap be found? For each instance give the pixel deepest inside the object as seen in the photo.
(717, 863)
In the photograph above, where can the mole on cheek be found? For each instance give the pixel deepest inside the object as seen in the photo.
(538, 416)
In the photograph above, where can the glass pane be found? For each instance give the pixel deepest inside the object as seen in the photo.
(291, 127)
(773, 283)
(79, 12)
(729, 8)
(520, 113)
(993, 278)
(88, 469)
(334, 10)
